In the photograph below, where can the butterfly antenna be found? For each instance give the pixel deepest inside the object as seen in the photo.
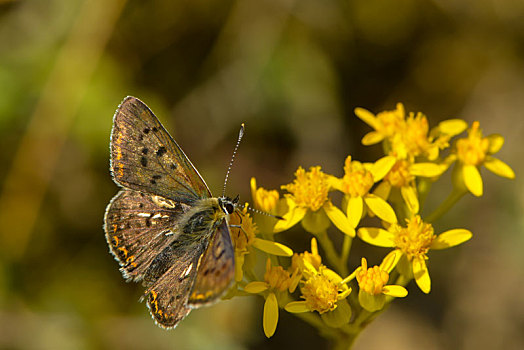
(264, 213)
(240, 135)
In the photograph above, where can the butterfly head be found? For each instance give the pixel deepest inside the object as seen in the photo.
(227, 204)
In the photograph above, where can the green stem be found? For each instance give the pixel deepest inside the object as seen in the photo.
(453, 198)
(344, 341)
(346, 248)
(329, 249)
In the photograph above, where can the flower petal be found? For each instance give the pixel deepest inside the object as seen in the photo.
(421, 275)
(290, 219)
(390, 261)
(256, 287)
(376, 236)
(338, 218)
(270, 319)
(372, 138)
(253, 185)
(297, 307)
(451, 238)
(271, 247)
(427, 169)
(355, 208)
(499, 168)
(452, 127)
(472, 179)
(381, 208)
(495, 143)
(367, 117)
(382, 167)
(332, 275)
(410, 197)
(395, 291)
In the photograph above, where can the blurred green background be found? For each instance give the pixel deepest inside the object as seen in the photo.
(293, 71)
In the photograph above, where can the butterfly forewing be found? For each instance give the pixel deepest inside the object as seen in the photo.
(145, 158)
(216, 268)
(138, 227)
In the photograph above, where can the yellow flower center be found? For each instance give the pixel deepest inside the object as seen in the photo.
(357, 181)
(320, 293)
(391, 122)
(399, 175)
(472, 150)
(242, 238)
(416, 134)
(415, 239)
(276, 277)
(309, 189)
(372, 280)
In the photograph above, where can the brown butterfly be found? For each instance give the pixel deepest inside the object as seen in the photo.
(164, 227)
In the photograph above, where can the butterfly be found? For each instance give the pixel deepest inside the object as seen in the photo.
(164, 227)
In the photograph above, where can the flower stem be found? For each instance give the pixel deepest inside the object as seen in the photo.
(346, 248)
(344, 341)
(329, 249)
(453, 198)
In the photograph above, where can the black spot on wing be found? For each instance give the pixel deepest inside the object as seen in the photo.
(161, 151)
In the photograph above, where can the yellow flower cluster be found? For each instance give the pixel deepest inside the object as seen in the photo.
(310, 284)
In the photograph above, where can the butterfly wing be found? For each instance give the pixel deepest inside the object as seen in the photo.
(170, 278)
(216, 268)
(138, 227)
(145, 158)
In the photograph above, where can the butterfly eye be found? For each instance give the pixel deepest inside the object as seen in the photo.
(230, 208)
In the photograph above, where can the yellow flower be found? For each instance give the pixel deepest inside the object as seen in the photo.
(307, 263)
(276, 281)
(324, 292)
(267, 201)
(356, 183)
(413, 243)
(386, 124)
(308, 201)
(407, 138)
(402, 177)
(320, 293)
(263, 199)
(373, 283)
(474, 151)
(243, 234)
(414, 140)
(310, 189)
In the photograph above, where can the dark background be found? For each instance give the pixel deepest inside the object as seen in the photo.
(293, 71)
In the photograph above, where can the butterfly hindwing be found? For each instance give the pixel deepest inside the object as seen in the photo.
(170, 278)
(216, 268)
(138, 227)
(145, 158)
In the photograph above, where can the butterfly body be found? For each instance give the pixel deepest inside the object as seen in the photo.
(164, 227)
